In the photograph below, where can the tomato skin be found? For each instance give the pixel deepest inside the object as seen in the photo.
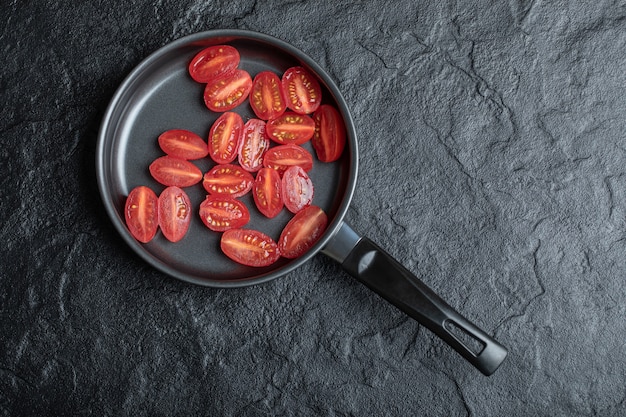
(267, 192)
(227, 179)
(254, 144)
(221, 213)
(174, 213)
(183, 144)
(249, 247)
(227, 92)
(267, 98)
(302, 231)
(291, 128)
(225, 137)
(329, 138)
(213, 62)
(302, 90)
(297, 189)
(284, 156)
(141, 213)
(171, 171)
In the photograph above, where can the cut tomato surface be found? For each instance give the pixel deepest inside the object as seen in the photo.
(267, 192)
(228, 179)
(254, 144)
(249, 247)
(225, 137)
(329, 138)
(302, 231)
(183, 144)
(297, 189)
(266, 97)
(227, 92)
(221, 213)
(291, 128)
(213, 62)
(172, 171)
(284, 156)
(174, 213)
(302, 90)
(141, 213)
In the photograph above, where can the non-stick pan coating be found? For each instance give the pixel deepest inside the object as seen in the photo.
(160, 95)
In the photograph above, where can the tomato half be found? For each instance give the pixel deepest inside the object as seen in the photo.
(291, 128)
(174, 213)
(297, 189)
(227, 92)
(224, 137)
(329, 138)
(253, 145)
(228, 179)
(249, 247)
(302, 231)
(267, 192)
(183, 144)
(284, 156)
(302, 90)
(141, 213)
(221, 213)
(266, 97)
(213, 62)
(172, 171)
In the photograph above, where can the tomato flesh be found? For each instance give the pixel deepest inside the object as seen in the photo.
(266, 97)
(302, 231)
(213, 62)
(267, 192)
(228, 179)
(225, 137)
(254, 144)
(221, 213)
(141, 213)
(227, 92)
(302, 90)
(183, 144)
(249, 247)
(174, 213)
(297, 189)
(291, 128)
(172, 171)
(329, 138)
(284, 156)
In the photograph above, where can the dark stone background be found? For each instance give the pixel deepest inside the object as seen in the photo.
(493, 164)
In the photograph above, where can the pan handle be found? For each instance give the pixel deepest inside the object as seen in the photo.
(371, 265)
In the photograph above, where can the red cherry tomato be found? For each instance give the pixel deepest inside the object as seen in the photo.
(267, 192)
(183, 144)
(329, 138)
(297, 189)
(291, 128)
(266, 97)
(228, 179)
(141, 213)
(302, 231)
(253, 145)
(221, 213)
(227, 92)
(284, 156)
(172, 171)
(302, 90)
(249, 247)
(174, 213)
(224, 138)
(213, 62)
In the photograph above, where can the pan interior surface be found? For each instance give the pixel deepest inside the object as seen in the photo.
(160, 95)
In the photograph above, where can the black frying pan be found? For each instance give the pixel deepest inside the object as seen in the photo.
(159, 95)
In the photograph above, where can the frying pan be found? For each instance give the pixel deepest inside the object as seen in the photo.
(159, 95)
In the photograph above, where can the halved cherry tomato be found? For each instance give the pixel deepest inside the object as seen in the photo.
(213, 62)
(220, 213)
(284, 156)
(224, 137)
(297, 189)
(253, 145)
(267, 192)
(302, 90)
(141, 213)
(249, 247)
(291, 128)
(266, 97)
(330, 133)
(302, 231)
(227, 92)
(174, 213)
(228, 179)
(172, 171)
(183, 144)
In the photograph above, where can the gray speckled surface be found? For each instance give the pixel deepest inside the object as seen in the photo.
(492, 164)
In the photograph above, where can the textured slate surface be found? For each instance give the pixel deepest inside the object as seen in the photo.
(492, 164)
